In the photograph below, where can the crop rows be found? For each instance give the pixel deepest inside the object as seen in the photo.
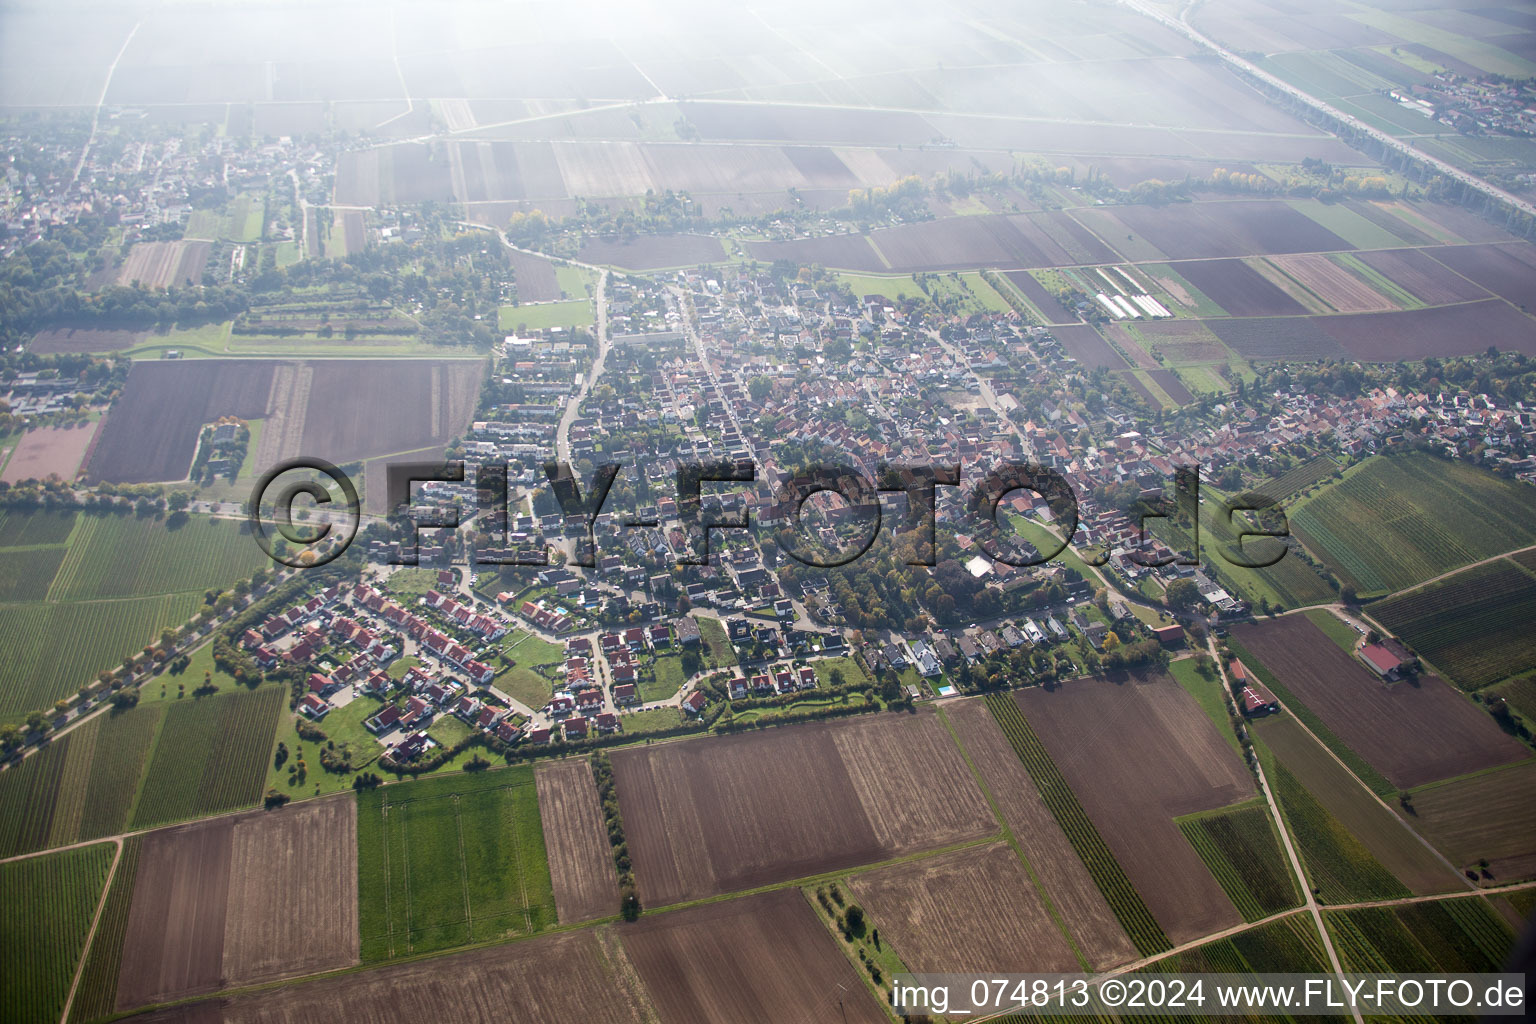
(1239, 847)
(26, 529)
(1458, 935)
(1402, 520)
(1475, 627)
(1096, 856)
(1342, 869)
(27, 794)
(26, 572)
(211, 756)
(119, 556)
(44, 918)
(1298, 478)
(97, 995)
(1289, 945)
(54, 649)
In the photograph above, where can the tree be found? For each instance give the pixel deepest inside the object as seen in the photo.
(1182, 594)
(759, 387)
(854, 917)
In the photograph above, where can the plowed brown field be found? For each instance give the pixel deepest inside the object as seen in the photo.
(580, 859)
(720, 815)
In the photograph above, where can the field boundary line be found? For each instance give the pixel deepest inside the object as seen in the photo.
(389, 921)
(1437, 897)
(1445, 576)
(90, 936)
(458, 830)
(1050, 906)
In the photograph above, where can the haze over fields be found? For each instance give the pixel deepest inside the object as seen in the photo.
(1245, 288)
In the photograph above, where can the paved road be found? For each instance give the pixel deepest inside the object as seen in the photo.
(573, 406)
(1183, 27)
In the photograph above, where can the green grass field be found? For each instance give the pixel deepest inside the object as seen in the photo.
(1207, 693)
(540, 316)
(1393, 522)
(668, 678)
(44, 918)
(210, 756)
(853, 674)
(451, 860)
(1447, 935)
(1240, 847)
(1290, 944)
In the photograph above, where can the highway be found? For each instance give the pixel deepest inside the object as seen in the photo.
(1182, 26)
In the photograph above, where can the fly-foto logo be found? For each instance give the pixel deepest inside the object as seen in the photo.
(580, 506)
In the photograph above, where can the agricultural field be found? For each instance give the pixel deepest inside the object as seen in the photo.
(1238, 288)
(1106, 872)
(44, 922)
(740, 959)
(1298, 478)
(541, 316)
(316, 407)
(1353, 846)
(1507, 271)
(1445, 935)
(210, 756)
(96, 996)
(1475, 627)
(202, 913)
(571, 976)
(1419, 274)
(1393, 522)
(654, 252)
(698, 816)
(1138, 752)
(1241, 849)
(1289, 945)
(451, 860)
(164, 264)
(1234, 228)
(1489, 817)
(580, 857)
(81, 786)
(1332, 283)
(970, 910)
(1462, 329)
(1415, 731)
(239, 221)
(50, 451)
(124, 556)
(57, 648)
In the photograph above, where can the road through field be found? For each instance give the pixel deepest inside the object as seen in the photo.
(90, 936)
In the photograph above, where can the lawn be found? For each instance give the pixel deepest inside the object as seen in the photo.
(655, 720)
(450, 860)
(540, 316)
(853, 673)
(1338, 631)
(717, 646)
(411, 582)
(1207, 693)
(524, 685)
(343, 727)
(667, 680)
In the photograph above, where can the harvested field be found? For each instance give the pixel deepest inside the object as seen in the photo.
(580, 858)
(1458, 330)
(1488, 817)
(322, 407)
(1366, 820)
(1171, 385)
(847, 252)
(1475, 626)
(1233, 228)
(1138, 752)
(712, 816)
(1413, 732)
(963, 912)
(1289, 338)
(1333, 284)
(49, 451)
(1067, 884)
(1238, 288)
(764, 958)
(308, 854)
(567, 977)
(175, 940)
(807, 124)
(960, 243)
(165, 264)
(354, 230)
(1417, 273)
(535, 277)
(1184, 341)
(1053, 311)
(241, 900)
(1085, 344)
(653, 252)
(1496, 268)
(84, 339)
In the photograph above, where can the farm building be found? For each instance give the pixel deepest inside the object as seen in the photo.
(1386, 662)
(1168, 634)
